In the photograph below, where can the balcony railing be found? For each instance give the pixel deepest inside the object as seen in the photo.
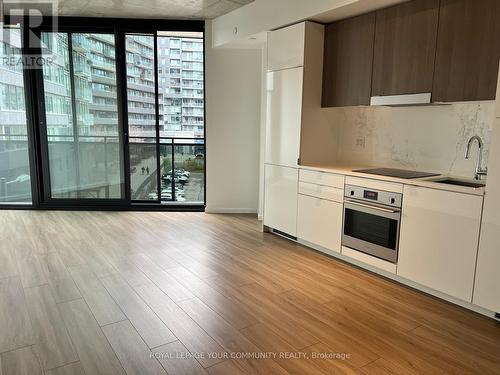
(181, 177)
(182, 170)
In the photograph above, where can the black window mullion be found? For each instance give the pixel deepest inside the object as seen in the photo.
(40, 122)
(157, 110)
(122, 100)
(172, 183)
(204, 121)
(73, 105)
(30, 98)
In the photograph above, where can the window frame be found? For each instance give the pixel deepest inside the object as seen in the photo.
(35, 109)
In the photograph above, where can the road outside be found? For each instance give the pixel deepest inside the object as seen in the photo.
(195, 188)
(140, 189)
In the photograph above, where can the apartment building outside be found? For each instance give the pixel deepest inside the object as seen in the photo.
(14, 160)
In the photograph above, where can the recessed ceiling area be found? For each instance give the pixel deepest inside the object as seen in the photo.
(166, 9)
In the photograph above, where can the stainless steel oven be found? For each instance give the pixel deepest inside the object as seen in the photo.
(371, 221)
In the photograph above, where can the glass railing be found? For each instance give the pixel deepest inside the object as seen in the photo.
(81, 41)
(182, 170)
(15, 181)
(181, 177)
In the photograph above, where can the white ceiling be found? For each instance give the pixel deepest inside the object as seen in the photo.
(167, 9)
(269, 15)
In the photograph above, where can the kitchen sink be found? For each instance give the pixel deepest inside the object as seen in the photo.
(458, 182)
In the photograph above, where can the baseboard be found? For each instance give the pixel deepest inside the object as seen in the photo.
(221, 210)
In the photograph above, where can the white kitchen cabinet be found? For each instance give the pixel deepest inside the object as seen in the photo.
(280, 198)
(292, 103)
(284, 108)
(321, 191)
(322, 178)
(319, 221)
(439, 239)
(285, 47)
(486, 289)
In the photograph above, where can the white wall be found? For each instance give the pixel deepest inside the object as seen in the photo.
(233, 100)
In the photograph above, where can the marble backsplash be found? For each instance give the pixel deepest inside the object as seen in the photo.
(427, 138)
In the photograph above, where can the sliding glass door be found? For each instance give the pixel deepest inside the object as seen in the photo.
(102, 114)
(165, 106)
(182, 125)
(82, 134)
(142, 116)
(163, 140)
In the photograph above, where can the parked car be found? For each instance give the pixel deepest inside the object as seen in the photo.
(179, 172)
(179, 191)
(185, 173)
(178, 179)
(182, 180)
(167, 196)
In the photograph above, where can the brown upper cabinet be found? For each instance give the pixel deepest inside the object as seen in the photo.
(468, 50)
(447, 48)
(348, 61)
(405, 48)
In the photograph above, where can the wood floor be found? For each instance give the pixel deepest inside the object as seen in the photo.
(192, 293)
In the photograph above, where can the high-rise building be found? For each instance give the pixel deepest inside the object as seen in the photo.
(180, 85)
(14, 160)
(180, 72)
(141, 86)
(12, 105)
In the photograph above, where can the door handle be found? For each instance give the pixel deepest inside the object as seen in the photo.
(392, 211)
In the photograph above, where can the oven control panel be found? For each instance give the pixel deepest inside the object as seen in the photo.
(385, 198)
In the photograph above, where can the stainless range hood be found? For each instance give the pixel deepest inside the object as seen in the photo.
(402, 100)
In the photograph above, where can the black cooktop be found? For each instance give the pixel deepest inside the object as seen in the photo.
(399, 173)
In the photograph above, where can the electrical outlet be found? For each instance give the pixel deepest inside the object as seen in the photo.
(360, 142)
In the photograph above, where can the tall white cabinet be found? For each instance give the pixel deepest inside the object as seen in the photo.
(284, 109)
(280, 208)
(288, 60)
(285, 47)
(487, 286)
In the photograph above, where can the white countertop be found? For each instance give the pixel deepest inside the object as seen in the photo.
(425, 181)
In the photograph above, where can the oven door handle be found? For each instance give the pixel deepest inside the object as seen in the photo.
(390, 210)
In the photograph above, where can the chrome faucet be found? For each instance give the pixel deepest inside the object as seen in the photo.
(479, 171)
